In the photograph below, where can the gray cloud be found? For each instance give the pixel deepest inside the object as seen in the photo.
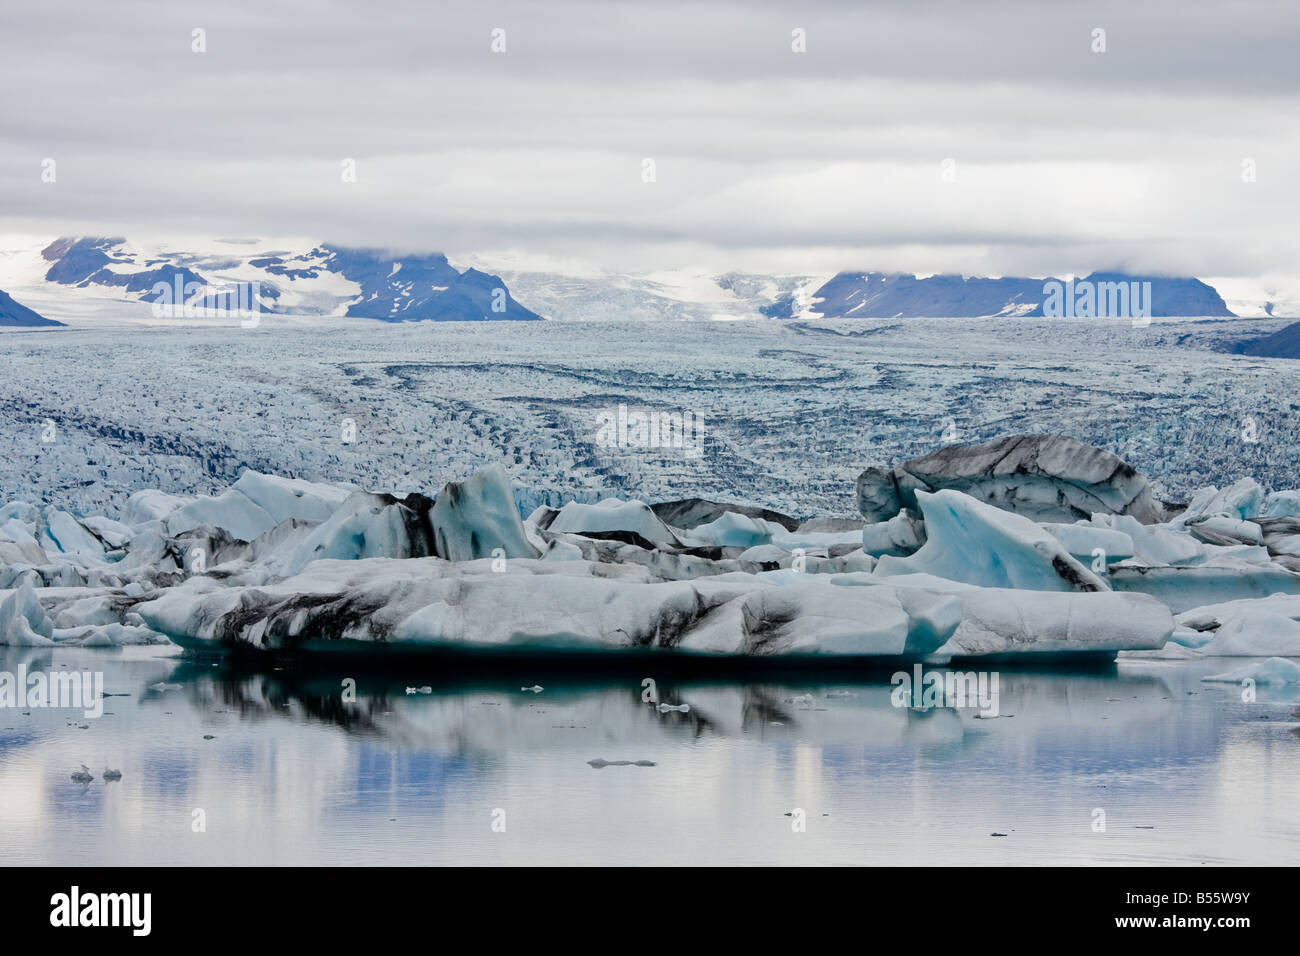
(1066, 159)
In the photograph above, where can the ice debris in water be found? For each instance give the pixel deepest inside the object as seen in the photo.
(1275, 670)
(82, 775)
(679, 708)
(599, 763)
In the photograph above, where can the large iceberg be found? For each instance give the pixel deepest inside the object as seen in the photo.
(387, 605)
(1044, 477)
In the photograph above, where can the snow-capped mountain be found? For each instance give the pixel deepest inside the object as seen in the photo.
(284, 279)
(75, 276)
(894, 295)
(567, 290)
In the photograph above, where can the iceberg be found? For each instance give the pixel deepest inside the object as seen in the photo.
(612, 516)
(987, 572)
(384, 605)
(1275, 670)
(1083, 541)
(477, 518)
(1006, 624)
(975, 543)
(23, 622)
(730, 529)
(1266, 627)
(1244, 499)
(1044, 477)
(365, 526)
(1184, 588)
(1282, 504)
(250, 507)
(898, 537)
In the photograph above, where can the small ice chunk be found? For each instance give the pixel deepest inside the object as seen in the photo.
(1275, 670)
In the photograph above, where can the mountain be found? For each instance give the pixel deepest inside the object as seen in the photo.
(882, 295)
(305, 278)
(567, 290)
(1284, 343)
(320, 280)
(14, 314)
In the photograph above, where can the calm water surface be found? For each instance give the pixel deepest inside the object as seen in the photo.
(1185, 771)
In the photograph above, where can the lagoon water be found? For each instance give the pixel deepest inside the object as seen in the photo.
(478, 771)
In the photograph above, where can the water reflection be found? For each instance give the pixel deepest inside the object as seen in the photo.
(331, 766)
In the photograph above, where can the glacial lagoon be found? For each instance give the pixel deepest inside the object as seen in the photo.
(771, 767)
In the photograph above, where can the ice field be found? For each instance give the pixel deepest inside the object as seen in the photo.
(792, 412)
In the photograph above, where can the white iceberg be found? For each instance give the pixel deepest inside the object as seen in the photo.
(975, 543)
(613, 515)
(384, 604)
(1266, 627)
(477, 518)
(23, 622)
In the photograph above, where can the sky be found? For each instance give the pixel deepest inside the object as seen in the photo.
(985, 138)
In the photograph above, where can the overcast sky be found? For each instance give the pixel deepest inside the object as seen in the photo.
(1066, 160)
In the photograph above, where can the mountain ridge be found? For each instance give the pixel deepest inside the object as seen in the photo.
(309, 278)
(16, 315)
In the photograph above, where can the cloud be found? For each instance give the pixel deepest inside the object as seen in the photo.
(1066, 159)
